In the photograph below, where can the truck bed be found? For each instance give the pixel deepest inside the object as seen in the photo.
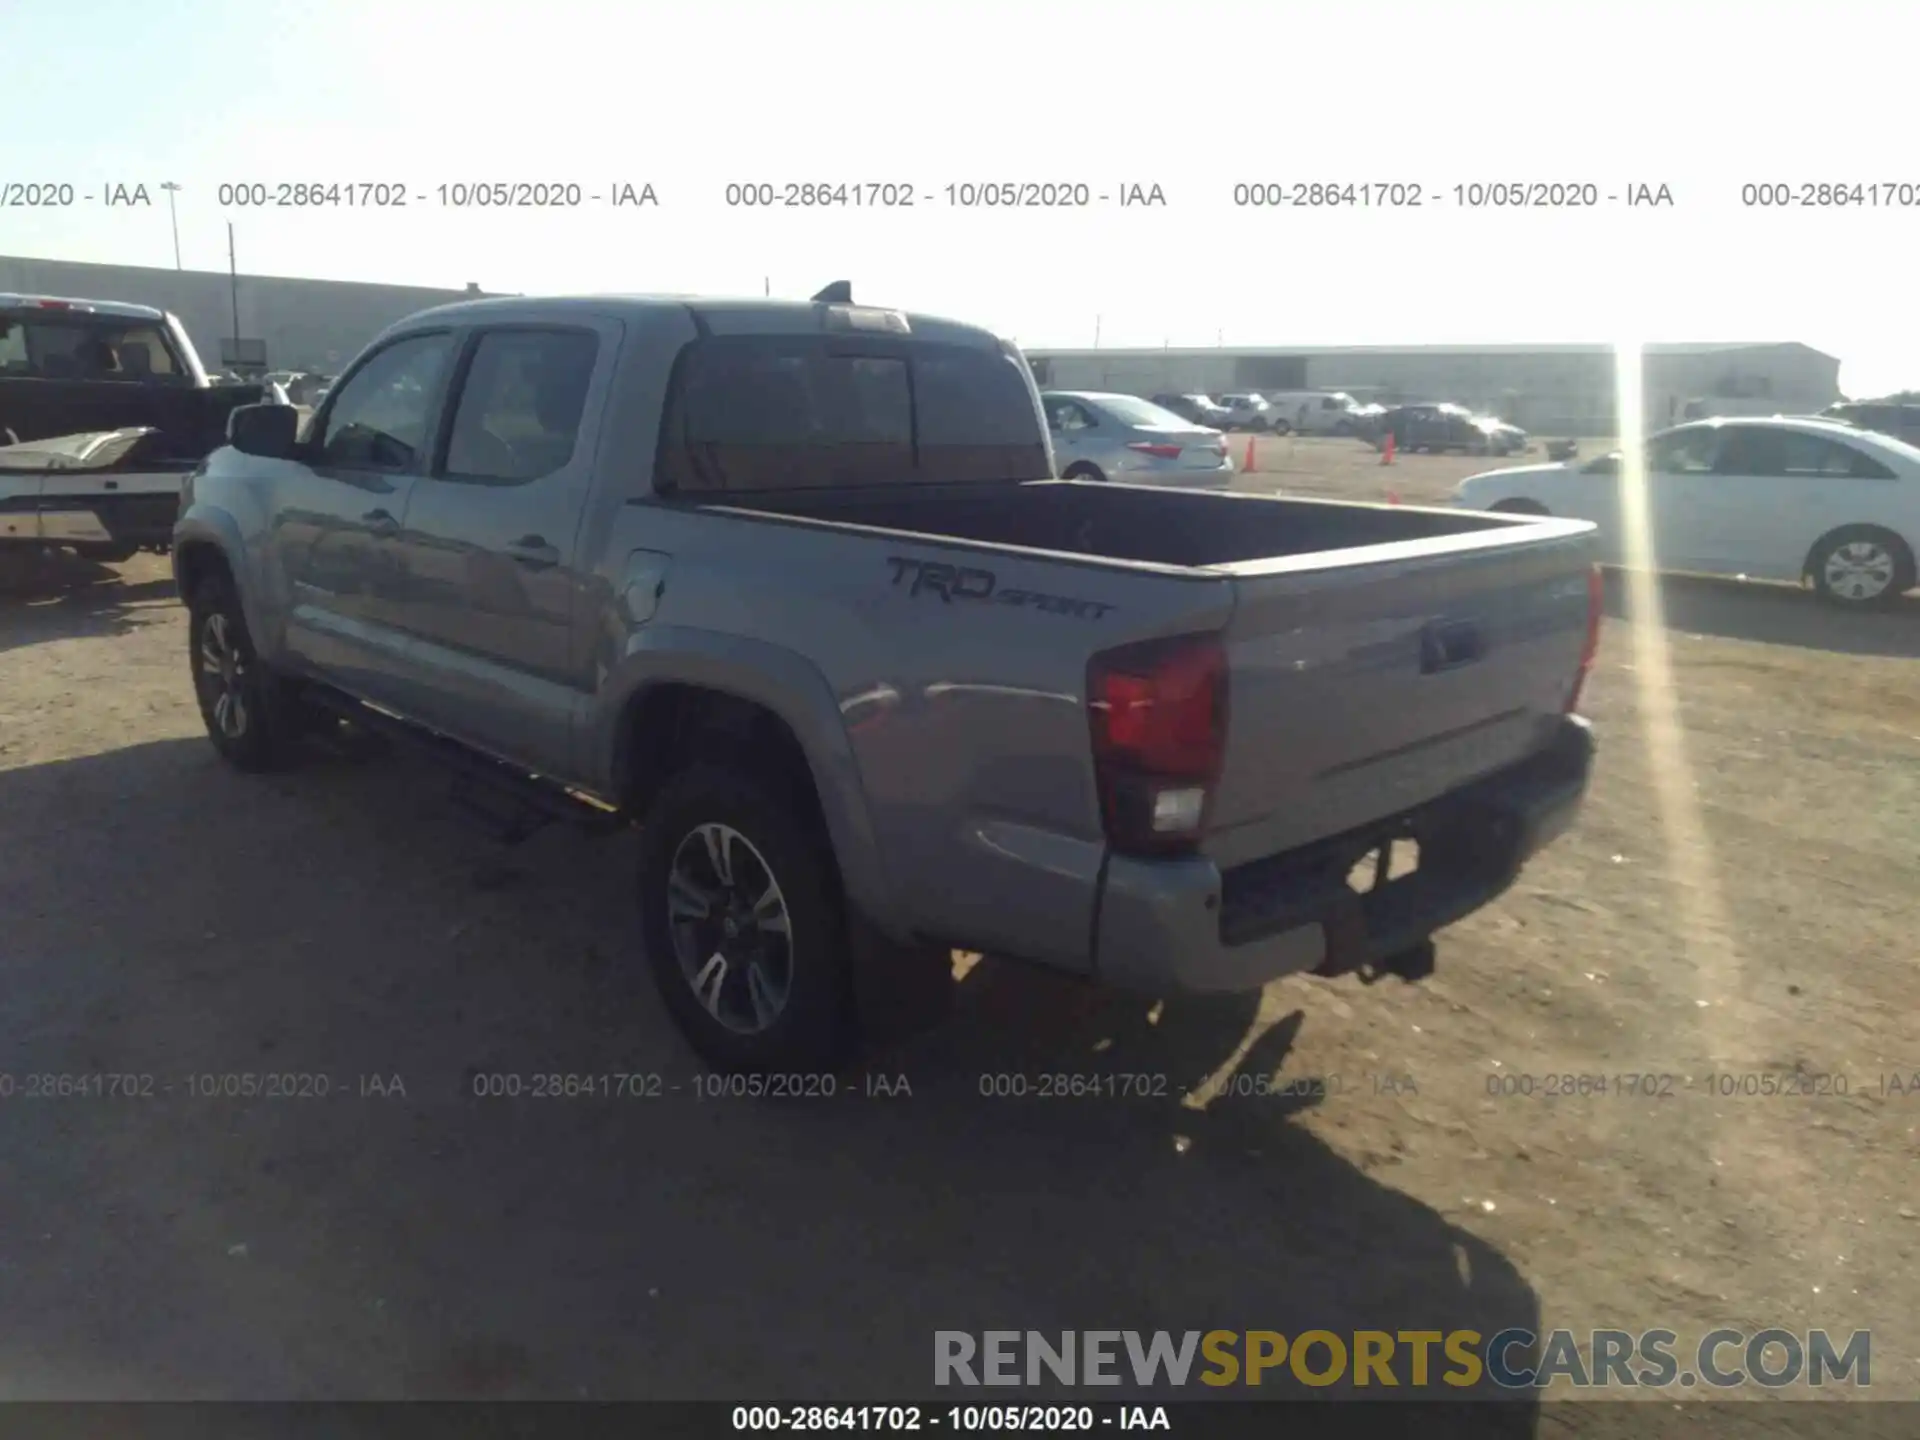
(1343, 712)
(110, 490)
(1124, 522)
(188, 421)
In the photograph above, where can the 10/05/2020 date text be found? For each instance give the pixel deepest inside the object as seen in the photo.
(957, 1418)
(957, 195)
(200, 1085)
(450, 195)
(1472, 195)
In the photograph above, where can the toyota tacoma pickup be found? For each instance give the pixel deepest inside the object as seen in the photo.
(791, 588)
(104, 407)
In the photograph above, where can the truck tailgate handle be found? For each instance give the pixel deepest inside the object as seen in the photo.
(1449, 644)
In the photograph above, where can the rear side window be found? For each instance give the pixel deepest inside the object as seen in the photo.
(1751, 450)
(1861, 466)
(518, 415)
(751, 413)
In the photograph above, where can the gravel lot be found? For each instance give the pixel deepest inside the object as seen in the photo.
(1739, 899)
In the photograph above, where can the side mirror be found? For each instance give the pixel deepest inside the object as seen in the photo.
(269, 431)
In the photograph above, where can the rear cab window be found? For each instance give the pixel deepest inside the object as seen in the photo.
(78, 345)
(749, 413)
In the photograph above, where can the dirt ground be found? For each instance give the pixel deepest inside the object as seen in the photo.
(1739, 899)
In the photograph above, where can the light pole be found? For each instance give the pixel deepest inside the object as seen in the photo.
(173, 215)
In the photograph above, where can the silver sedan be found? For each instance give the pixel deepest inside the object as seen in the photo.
(1125, 438)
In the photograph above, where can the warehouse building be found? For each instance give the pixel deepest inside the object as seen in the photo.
(262, 322)
(1548, 389)
(281, 323)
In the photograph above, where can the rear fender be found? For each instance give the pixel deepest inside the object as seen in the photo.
(790, 687)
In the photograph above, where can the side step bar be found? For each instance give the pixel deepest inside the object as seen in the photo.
(508, 804)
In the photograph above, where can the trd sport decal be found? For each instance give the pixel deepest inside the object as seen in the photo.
(964, 582)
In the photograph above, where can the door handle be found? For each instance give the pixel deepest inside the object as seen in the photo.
(533, 551)
(380, 522)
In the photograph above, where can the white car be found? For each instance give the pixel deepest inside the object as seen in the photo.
(1775, 499)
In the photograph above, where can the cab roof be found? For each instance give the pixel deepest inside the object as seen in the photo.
(721, 315)
(118, 309)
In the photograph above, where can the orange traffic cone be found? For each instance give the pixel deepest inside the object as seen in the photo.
(1386, 450)
(1393, 497)
(1248, 466)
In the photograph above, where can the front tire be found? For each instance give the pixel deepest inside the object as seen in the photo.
(245, 707)
(744, 924)
(1282, 427)
(1083, 472)
(1861, 567)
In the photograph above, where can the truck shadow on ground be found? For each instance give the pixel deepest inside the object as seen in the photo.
(1773, 615)
(174, 920)
(69, 598)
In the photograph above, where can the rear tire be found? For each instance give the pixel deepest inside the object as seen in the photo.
(721, 849)
(249, 712)
(1282, 427)
(1861, 567)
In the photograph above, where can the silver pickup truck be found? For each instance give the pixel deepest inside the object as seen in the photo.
(791, 586)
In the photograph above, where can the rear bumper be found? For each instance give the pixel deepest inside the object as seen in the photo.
(1185, 925)
(1217, 477)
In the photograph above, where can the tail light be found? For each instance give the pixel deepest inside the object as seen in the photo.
(1158, 713)
(1590, 647)
(1163, 452)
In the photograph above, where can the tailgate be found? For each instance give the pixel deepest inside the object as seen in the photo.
(1369, 681)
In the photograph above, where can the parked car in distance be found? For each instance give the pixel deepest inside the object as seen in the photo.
(1504, 437)
(791, 591)
(1901, 421)
(1249, 412)
(1772, 499)
(1199, 409)
(1445, 426)
(1122, 437)
(1318, 412)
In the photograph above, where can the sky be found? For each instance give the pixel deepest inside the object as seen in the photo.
(1701, 97)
